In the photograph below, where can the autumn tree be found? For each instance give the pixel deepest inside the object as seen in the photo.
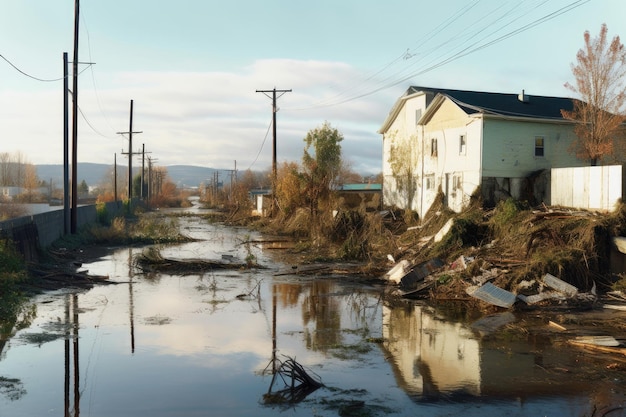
(321, 163)
(289, 188)
(600, 73)
(30, 182)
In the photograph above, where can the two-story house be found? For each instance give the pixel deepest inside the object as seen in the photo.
(461, 142)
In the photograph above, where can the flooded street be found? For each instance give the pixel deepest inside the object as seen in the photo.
(205, 344)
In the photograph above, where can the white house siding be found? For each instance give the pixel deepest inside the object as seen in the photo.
(403, 128)
(509, 157)
(457, 171)
(509, 147)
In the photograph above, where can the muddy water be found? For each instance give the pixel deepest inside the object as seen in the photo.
(205, 344)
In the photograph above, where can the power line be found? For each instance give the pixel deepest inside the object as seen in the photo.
(262, 144)
(28, 75)
(500, 20)
(89, 64)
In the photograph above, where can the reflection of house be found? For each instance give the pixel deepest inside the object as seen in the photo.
(455, 141)
(435, 359)
(431, 356)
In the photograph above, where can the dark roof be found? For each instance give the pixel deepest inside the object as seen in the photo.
(503, 104)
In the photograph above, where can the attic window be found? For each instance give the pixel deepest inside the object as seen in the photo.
(418, 114)
(539, 146)
(462, 145)
(433, 147)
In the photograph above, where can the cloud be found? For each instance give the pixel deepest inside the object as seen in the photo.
(205, 118)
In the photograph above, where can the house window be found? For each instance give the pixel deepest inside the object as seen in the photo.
(418, 114)
(457, 182)
(430, 181)
(539, 146)
(433, 147)
(462, 145)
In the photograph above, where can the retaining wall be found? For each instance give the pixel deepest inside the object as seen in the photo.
(50, 226)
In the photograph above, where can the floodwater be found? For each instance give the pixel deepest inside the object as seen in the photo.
(160, 345)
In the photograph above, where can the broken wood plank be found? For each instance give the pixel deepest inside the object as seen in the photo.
(605, 349)
(556, 326)
(608, 341)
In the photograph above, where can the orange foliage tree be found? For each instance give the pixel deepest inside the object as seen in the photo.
(600, 73)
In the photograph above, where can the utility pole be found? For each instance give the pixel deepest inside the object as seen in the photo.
(115, 178)
(143, 168)
(67, 219)
(130, 153)
(75, 121)
(274, 110)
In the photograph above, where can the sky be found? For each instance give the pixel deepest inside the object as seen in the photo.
(192, 69)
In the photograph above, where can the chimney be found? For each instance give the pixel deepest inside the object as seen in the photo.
(522, 97)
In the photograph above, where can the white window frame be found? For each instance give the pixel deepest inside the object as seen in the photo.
(540, 150)
(462, 145)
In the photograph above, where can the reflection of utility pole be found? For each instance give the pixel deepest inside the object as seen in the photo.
(131, 304)
(274, 110)
(130, 152)
(76, 361)
(273, 329)
(67, 356)
(73, 305)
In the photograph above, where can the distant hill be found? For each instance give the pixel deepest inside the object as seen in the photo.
(94, 174)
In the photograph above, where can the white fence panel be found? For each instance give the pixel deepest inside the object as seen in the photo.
(591, 188)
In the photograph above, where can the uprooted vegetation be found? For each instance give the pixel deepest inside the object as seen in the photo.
(524, 243)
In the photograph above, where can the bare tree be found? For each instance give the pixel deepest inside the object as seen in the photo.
(600, 73)
(5, 169)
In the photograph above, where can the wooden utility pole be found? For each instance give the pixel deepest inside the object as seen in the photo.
(75, 121)
(274, 110)
(143, 169)
(115, 178)
(130, 153)
(67, 219)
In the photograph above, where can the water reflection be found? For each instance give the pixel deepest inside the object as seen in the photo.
(72, 367)
(212, 343)
(436, 359)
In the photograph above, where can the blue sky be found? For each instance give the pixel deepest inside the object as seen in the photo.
(192, 68)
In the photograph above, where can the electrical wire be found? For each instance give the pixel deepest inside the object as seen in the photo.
(262, 144)
(28, 75)
(500, 21)
(93, 78)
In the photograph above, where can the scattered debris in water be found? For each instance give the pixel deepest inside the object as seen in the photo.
(151, 260)
(297, 383)
(157, 320)
(492, 295)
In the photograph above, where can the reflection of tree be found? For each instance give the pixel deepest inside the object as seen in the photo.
(324, 310)
(289, 294)
(14, 315)
(12, 388)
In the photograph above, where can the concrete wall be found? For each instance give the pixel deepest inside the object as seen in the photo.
(50, 225)
(591, 188)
